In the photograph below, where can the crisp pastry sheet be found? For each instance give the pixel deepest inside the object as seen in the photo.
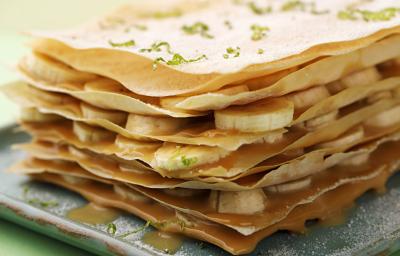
(276, 204)
(169, 220)
(90, 49)
(248, 159)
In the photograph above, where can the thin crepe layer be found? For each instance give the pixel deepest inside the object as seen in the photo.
(278, 205)
(93, 52)
(168, 220)
(238, 163)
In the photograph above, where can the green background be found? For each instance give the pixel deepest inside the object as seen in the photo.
(16, 17)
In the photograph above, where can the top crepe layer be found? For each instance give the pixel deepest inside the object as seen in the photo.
(295, 36)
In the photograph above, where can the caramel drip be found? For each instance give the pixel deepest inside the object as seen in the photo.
(163, 241)
(328, 204)
(93, 214)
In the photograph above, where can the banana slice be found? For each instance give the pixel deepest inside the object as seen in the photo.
(33, 115)
(294, 152)
(242, 202)
(79, 153)
(151, 125)
(356, 160)
(104, 84)
(88, 133)
(379, 96)
(233, 90)
(132, 168)
(173, 157)
(170, 102)
(74, 180)
(183, 192)
(52, 70)
(127, 144)
(350, 137)
(261, 116)
(130, 194)
(321, 121)
(335, 87)
(50, 97)
(91, 112)
(265, 81)
(290, 186)
(362, 78)
(386, 118)
(307, 98)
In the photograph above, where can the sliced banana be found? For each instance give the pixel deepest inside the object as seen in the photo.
(362, 78)
(91, 112)
(130, 194)
(321, 121)
(52, 70)
(290, 186)
(261, 116)
(34, 115)
(183, 192)
(233, 90)
(50, 97)
(152, 125)
(132, 168)
(127, 144)
(265, 81)
(173, 157)
(335, 87)
(74, 180)
(104, 84)
(348, 138)
(79, 153)
(379, 96)
(88, 133)
(356, 160)
(307, 98)
(271, 138)
(386, 118)
(294, 152)
(242, 202)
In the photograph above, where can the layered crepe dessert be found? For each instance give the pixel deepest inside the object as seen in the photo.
(225, 121)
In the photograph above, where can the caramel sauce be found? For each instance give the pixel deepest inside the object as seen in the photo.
(163, 241)
(328, 204)
(93, 214)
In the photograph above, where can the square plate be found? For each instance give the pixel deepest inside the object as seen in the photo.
(373, 226)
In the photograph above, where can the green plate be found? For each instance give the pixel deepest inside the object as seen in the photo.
(373, 226)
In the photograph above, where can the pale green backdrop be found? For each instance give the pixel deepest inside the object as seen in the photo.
(17, 16)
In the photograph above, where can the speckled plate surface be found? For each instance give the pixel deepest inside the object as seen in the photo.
(373, 226)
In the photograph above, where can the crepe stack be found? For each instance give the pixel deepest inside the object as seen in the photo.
(225, 121)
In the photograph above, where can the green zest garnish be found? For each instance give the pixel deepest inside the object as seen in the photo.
(260, 51)
(258, 32)
(187, 162)
(129, 43)
(197, 28)
(176, 60)
(297, 5)
(228, 24)
(231, 52)
(148, 223)
(111, 229)
(157, 47)
(43, 204)
(140, 27)
(382, 15)
(259, 10)
(167, 14)
(292, 5)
